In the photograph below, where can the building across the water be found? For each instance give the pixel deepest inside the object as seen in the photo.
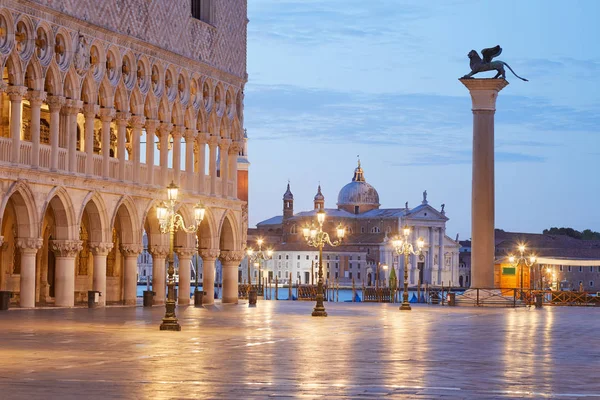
(102, 105)
(367, 248)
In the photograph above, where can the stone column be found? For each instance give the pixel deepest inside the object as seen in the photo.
(64, 275)
(151, 126)
(177, 133)
(28, 248)
(72, 108)
(441, 257)
(190, 138)
(16, 93)
(483, 95)
(159, 273)
(201, 161)
(122, 119)
(89, 112)
(163, 146)
(233, 156)
(230, 261)
(36, 98)
(185, 258)
(55, 103)
(99, 253)
(137, 122)
(224, 153)
(430, 276)
(212, 163)
(131, 252)
(209, 256)
(106, 116)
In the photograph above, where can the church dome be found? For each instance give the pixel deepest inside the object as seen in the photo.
(358, 196)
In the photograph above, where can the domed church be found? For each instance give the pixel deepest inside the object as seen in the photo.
(367, 245)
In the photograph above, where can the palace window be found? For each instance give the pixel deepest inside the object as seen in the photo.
(350, 275)
(591, 283)
(202, 10)
(375, 229)
(560, 268)
(316, 257)
(358, 258)
(287, 257)
(580, 269)
(298, 256)
(293, 230)
(279, 274)
(569, 268)
(307, 257)
(337, 275)
(359, 275)
(337, 265)
(280, 256)
(362, 229)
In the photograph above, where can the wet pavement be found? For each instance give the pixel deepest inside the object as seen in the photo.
(278, 350)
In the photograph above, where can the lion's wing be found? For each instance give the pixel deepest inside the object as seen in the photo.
(490, 53)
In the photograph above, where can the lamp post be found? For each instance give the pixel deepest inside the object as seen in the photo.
(170, 221)
(257, 258)
(315, 237)
(520, 261)
(402, 246)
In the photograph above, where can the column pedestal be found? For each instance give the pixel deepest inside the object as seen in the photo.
(484, 93)
(159, 272)
(209, 256)
(231, 261)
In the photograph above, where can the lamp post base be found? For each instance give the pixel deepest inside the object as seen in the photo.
(319, 312)
(405, 307)
(170, 324)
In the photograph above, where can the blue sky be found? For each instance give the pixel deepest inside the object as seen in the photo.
(330, 80)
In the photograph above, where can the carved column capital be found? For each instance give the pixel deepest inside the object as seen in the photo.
(16, 93)
(224, 144)
(165, 128)
(185, 252)
(131, 249)
(152, 125)
(213, 141)
(107, 114)
(231, 256)
(190, 135)
(72, 107)
(122, 118)
(202, 137)
(36, 97)
(66, 248)
(101, 248)
(159, 251)
(29, 245)
(137, 121)
(235, 148)
(209, 254)
(178, 131)
(90, 110)
(55, 103)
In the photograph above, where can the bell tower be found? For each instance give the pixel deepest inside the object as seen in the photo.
(319, 200)
(288, 203)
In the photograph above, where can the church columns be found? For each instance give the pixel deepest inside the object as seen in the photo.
(131, 253)
(230, 261)
(64, 275)
(430, 260)
(212, 163)
(151, 126)
(72, 108)
(99, 253)
(55, 104)
(106, 116)
(209, 256)
(165, 130)
(16, 93)
(36, 98)
(201, 161)
(177, 133)
(122, 119)
(159, 275)
(28, 248)
(89, 111)
(185, 258)
(137, 122)
(442, 257)
(224, 158)
(190, 138)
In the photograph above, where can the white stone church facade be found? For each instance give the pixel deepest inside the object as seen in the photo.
(102, 104)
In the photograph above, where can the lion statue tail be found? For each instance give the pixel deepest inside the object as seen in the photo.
(514, 73)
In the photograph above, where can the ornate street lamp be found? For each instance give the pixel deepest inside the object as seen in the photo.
(257, 258)
(402, 246)
(522, 260)
(315, 237)
(170, 221)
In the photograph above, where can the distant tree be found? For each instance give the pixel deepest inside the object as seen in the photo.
(587, 234)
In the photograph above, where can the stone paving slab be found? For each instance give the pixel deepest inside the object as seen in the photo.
(277, 350)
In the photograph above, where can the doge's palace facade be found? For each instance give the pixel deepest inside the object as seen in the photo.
(103, 104)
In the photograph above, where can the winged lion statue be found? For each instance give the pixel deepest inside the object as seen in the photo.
(486, 64)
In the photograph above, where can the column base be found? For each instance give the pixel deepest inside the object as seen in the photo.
(230, 300)
(129, 302)
(319, 312)
(405, 307)
(170, 324)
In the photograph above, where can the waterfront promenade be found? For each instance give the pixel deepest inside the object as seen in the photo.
(278, 350)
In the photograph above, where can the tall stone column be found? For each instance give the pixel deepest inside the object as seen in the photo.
(233, 156)
(137, 122)
(484, 93)
(209, 256)
(72, 108)
(441, 256)
(177, 133)
(159, 272)
(231, 261)
(36, 98)
(28, 248)
(64, 273)
(431, 276)
(165, 131)
(89, 112)
(55, 104)
(131, 252)
(106, 116)
(212, 163)
(15, 94)
(201, 161)
(122, 120)
(100, 252)
(185, 258)
(224, 153)
(190, 139)
(151, 126)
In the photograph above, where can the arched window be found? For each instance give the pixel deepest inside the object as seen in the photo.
(375, 229)
(293, 229)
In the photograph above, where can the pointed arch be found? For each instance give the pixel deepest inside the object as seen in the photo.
(24, 202)
(228, 232)
(126, 213)
(53, 84)
(89, 91)
(236, 130)
(190, 117)
(121, 99)
(177, 117)
(224, 127)
(72, 85)
(164, 111)
(151, 106)
(34, 77)
(14, 68)
(66, 226)
(136, 102)
(207, 233)
(106, 94)
(94, 205)
(201, 123)
(213, 124)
